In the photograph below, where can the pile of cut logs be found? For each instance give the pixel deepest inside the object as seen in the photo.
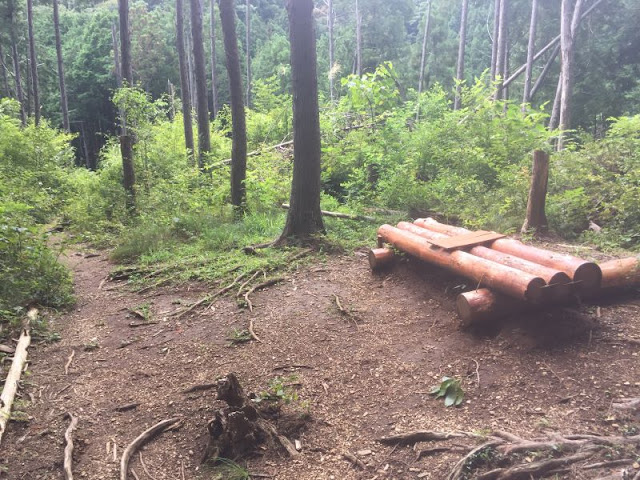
(510, 275)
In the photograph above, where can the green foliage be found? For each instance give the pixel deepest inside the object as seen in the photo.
(280, 390)
(449, 389)
(225, 469)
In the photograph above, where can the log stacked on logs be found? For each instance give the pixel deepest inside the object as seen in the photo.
(513, 276)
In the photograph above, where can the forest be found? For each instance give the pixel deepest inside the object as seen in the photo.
(177, 161)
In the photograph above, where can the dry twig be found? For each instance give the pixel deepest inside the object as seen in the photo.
(252, 333)
(353, 460)
(68, 449)
(69, 360)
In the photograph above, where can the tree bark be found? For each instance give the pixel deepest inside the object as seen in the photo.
(126, 141)
(536, 218)
(358, 40)
(502, 43)
(494, 40)
(247, 19)
(214, 80)
(544, 73)
(5, 77)
(185, 91)
(461, 45)
(204, 135)
(16, 61)
(423, 57)
(568, 33)
(526, 96)
(64, 106)
(304, 218)
(33, 63)
(330, 22)
(239, 128)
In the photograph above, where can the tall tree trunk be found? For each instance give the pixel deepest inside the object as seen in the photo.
(16, 61)
(358, 40)
(191, 69)
(330, 22)
(526, 96)
(545, 72)
(126, 141)
(64, 106)
(33, 62)
(214, 80)
(239, 128)
(461, 45)
(247, 19)
(204, 135)
(185, 91)
(568, 34)
(118, 72)
(502, 43)
(304, 217)
(494, 40)
(555, 110)
(423, 57)
(5, 77)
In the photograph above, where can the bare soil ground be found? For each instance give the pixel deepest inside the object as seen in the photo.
(360, 376)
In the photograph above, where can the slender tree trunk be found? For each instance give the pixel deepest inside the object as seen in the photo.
(64, 107)
(545, 72)
(191, 70)
(526, 96)
(494, 40)
(461, 45)
(172, 100)
(555, 110)
(330, 21)
(502, 43)
(5, 77)
(304, 217)
(214, 92)
(185, 91)
(358, 40)
(16, 63)
(247, 19)
(505, 73)
(423, 57)
(34, 63)
(118, 72)
(536, 218)
(204, 135)
(29, 86)
(568, 34)
(239, 128)
(126, 141)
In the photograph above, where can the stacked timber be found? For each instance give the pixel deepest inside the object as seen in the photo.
(511, 276)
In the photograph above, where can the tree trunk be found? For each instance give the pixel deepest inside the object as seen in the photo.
(423, 57)
(5, 77)
(463, 40)
(544, 73)
(126, 141)
(526, 97)
(502, 43)
(214, 92)
(34, 63)
(16, 61)
(536, 218)
(494, 40)
(568, 33)
(118, 73)
(204, 135)
(330, 21)
(191, 69)
(61, 81)
(239, 127)
(555, 110)
(247, 19)
(358, 40)
(304, 218)
(185, 91)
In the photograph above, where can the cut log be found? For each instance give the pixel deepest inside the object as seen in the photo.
(379, 258)
(508, 280)
(558, 282)
(482, 305)
(586, 275)
(624, 272)
(11, 382)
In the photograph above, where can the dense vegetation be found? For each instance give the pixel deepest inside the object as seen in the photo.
(385, 147)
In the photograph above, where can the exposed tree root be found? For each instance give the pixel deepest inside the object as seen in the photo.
(260, 286)
(143, 438)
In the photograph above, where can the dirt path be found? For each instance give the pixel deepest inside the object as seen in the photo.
(360, 378)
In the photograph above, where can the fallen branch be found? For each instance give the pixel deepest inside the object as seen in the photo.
(143, 438)
(347, 216)
(68, 449)
(200, 388)
(420, 436)
(260, 286)
(11, 382)
(69, 360)
(353, 460)
(210, 298)
(252, 333)
(345, 312)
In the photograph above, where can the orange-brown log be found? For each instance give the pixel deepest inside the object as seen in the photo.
(380, 258)
(505, 279)
(624, 272)
(558, 282)
(482, 305)
(586, 275)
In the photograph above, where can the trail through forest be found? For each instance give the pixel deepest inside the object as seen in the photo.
(360, 350)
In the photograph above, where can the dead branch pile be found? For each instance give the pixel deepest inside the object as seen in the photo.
(505, 456)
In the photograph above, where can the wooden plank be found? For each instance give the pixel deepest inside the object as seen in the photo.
(467, 240)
